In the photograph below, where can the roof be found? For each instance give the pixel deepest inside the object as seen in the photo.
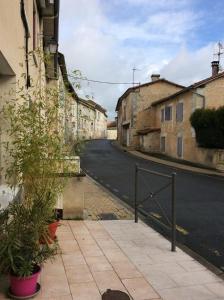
(67, 83)
(111, 124)
(132, 89)
(189, 88)
(93, 105)
(147, 130)
(98, 107)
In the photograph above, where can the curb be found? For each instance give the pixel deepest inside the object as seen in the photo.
(186, 168)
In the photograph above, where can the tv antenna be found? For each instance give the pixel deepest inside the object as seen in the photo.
(220, 51)
(133, 76)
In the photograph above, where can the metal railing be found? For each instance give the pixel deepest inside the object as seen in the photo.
(151, 196)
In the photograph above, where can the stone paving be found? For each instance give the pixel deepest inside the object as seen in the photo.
(122, 255)
(86, 199)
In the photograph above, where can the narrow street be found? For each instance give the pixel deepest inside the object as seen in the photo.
(200, 198)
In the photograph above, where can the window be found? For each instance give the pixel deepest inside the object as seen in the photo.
(168, 113)
(163, 144)
(179, 112)
(162, 114)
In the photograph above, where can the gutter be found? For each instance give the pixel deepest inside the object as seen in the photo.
(27, 35)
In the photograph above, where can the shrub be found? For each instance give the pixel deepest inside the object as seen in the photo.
(209, 127)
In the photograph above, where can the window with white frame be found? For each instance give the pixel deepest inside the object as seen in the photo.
(179, 111)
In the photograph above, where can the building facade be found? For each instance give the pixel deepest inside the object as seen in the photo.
(27, 29)
(112, 130)
(169, 130)
(136, 99)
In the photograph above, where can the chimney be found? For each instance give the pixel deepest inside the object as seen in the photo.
(155, 77)
(215, 67)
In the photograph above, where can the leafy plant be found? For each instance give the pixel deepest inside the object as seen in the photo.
(209, 127)
(21, 229)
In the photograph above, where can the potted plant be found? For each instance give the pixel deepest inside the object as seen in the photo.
(21, 254)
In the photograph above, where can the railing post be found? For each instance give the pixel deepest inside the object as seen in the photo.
(173, 213)
(136, 193)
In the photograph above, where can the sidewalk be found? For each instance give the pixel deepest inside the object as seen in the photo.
(172, 164)
(120, 255)
(125, 256)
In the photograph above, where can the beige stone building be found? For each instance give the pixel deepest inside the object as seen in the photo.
(136, 99)
(112, 130)
(168, 130)
(26, 29)
(82, 118)
(92, 120)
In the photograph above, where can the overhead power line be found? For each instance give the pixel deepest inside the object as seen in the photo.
(99, 81)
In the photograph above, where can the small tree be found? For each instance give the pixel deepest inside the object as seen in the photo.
(209, 127)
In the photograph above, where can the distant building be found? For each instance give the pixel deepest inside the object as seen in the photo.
(168, 128)
(112, 130)
(136, 99)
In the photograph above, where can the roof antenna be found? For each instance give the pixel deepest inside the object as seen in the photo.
(133, 75)
(219, 53)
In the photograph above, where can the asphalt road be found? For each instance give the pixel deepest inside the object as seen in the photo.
(200, 198)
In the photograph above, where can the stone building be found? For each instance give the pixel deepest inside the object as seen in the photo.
(26, 29)
(112, 130)
(136, 99)
(168, 129)
(92, 120)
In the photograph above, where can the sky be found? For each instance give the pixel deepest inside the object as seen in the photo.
(106, 39)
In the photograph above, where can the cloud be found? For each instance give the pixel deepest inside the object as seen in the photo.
(106, 39)
(189, 66)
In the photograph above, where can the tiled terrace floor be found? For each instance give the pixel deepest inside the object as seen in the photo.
(122, 255)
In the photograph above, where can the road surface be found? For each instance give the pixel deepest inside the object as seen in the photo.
(200, 198)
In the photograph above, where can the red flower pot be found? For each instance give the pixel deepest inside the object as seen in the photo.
(24, 286)
(52, 229)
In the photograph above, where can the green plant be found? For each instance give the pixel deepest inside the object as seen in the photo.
(21, 229)
(209, 127)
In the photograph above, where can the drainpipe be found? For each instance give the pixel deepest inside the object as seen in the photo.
(27, 35)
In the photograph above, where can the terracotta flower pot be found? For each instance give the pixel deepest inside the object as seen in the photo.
(52, 229)
(24, 286)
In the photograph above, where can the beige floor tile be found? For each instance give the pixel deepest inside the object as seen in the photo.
(73, 259)
(159, 280)
(98, 263)
(139, 289)
(64, 297)
(191, 265)
(79, 273)
(85, 291)
(126, 270)
(115, 255)
(92, 252)
(168, 268)
(67, 235)
(187, 293)
(216, 288)
(194, 278)
(52, 286)
(108, 280)
(107, 244)
(52, 267)
(68, 246)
